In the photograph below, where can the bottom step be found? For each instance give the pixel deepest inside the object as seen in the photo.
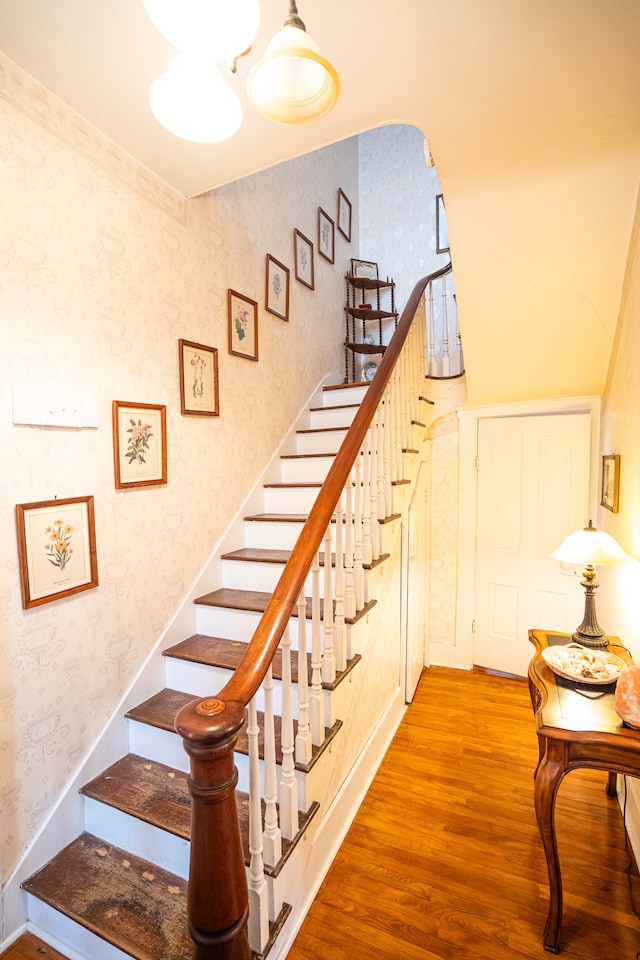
(137, 907)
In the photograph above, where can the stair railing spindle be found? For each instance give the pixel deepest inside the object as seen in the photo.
(338, 618)
(350, 606)
(303, 736)
(374, 525)
(272, 839)
(316, 700)
(288, 792)
(388, 436)
(258, 891)
(328, 653)
(358, 526)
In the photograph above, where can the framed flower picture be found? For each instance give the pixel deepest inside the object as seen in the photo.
(303, 252)
(344, 214)
(326, 236)
(610, 482)
(277, 288)
(56, 549)
(198, 379)
(139, 444)
(243, 326)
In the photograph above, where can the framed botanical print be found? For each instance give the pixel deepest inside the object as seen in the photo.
(243, 326)
(326, 236)
(610, 482)
(198, 379)
(303, 252)
(139, 444)
(344, 214)
(277, 288)
(56, 549)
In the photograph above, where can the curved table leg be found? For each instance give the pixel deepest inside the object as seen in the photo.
(551, 770)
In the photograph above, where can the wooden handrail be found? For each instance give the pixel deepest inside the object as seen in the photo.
(202, 722)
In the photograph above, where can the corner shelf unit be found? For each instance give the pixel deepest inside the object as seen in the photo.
(363, 338)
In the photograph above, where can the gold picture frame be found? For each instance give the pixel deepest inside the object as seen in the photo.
(56, 549)
(610, 490)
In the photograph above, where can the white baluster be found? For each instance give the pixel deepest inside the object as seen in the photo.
(303, 736)
(272, 840)
(328, 654)
(388, 433)
(366, 503)
(338, 623)
(316, 700)
(349, 585)
(433, 361)
(258, 926)
(288, 784)
(358, 569)
(382, 514)
(374, 525)
(445, 331)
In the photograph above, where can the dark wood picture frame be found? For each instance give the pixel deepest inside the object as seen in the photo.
(326, 236)
(139, 444)
(364, 269)
(303, 255)
(243, 325)
(610, 490)
(276, 298)
(56, 549)
(344, 214)
(199, 395)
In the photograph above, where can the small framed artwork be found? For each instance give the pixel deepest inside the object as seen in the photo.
(610, 481)
(243, 326)
(303, 252)
(344, 215)
(326, 236)
(56, 549)
(198, 379)
(139, 444)
(364, 269)
(276, 299)
(442, 231)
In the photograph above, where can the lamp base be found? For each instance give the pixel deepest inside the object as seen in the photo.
(595, 643)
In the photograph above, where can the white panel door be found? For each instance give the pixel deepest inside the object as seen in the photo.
(533, 490)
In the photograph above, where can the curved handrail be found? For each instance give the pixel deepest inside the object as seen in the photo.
(250, 672)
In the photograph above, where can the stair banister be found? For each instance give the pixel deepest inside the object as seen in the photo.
(218, 893)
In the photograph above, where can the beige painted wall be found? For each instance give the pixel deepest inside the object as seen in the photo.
(103, 269)
(620, 433)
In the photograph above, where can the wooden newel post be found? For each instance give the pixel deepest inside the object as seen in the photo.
(218, 896)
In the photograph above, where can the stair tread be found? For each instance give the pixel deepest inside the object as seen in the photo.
(305, 456)
(159, 795)
(323, 430)
(267, 555)
(306, 484)
(337, 406)
(219, 652)
(255, 601)
(134, 905)
(160, 711)
(345, 386)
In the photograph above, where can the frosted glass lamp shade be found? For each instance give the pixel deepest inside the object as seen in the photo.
(222, 28)
(193, 102)
(590, 548)
(293, 83)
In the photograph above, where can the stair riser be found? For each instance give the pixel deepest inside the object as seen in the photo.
(72, 938)
(205, 681)
(162, 746)
(236, 624)
(289, 499)
(338, 417)
(305, 470)
(275, 534)
(326, 442)
(245, 575)
(137, 837)
(333, 398)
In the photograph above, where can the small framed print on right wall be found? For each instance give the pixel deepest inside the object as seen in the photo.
(610, 481)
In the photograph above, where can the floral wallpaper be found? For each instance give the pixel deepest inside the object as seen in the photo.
(103, 270)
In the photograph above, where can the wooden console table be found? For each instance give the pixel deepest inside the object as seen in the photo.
(575, 729)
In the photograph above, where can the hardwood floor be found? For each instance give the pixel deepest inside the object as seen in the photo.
(444, 858)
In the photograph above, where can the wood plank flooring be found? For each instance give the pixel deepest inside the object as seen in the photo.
(444, 858)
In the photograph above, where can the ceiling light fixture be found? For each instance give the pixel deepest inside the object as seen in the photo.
(193, 102)
(293, 83)
(223, 29)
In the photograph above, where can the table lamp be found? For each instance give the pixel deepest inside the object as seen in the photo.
(593, 548)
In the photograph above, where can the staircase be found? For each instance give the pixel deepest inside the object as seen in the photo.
(120, 889)
(302, 760)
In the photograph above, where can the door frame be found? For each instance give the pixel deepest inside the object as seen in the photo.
(468, 497)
